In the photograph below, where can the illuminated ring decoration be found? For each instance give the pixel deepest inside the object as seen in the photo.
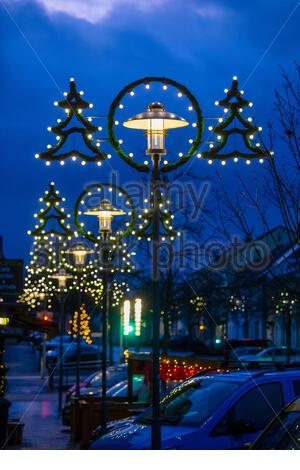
(165, 81)
(88, 192)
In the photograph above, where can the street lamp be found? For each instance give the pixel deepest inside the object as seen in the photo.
(79, 252)
(61, 277)
(155, 123)
(105, 214)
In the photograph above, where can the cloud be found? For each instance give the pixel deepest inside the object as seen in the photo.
(211, 11)
(95, 11)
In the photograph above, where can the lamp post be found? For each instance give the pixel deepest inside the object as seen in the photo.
(42, 298)
(155, 123)
(79, 253)
(62, 277)
(105, 214)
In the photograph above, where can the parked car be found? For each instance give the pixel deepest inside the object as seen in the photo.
(273, 354)
(232, 344)
(55, 342)
(283, 432)
(215, 411)
(88, 353)
(91, 385)
(186, 344)
(237, 353)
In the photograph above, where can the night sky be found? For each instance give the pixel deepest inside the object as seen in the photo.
(105, 44)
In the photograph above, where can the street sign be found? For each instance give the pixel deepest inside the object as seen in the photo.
(11, 277)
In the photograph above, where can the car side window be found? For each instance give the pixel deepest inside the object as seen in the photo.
(253, 410)
(279, 352)
(296, 385)
(268, 353)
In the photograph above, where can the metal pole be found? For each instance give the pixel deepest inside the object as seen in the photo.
(43, 359)
(78, 359)
(104, 351)
(121, 337)
(111, 338)
(60, 369)
(105, 260)
(288, 335)
(155, 187)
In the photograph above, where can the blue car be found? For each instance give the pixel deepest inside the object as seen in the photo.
(213, 411)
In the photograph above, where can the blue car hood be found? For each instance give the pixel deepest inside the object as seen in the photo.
(133, 435)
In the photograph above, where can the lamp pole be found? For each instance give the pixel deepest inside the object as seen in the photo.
(105, 214)
(62, 278)
(155, 122)
(104, 334)
(155, 188)
(79, 252)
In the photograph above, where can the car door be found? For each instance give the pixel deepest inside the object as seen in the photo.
(251, 412)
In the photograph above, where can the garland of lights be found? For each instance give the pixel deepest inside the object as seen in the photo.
(235, 104)
(73, 105)
(237, 304)
(284, 304)
(93, 190)
(165, 218)
(80, 325)
(199, 304)
(182, 91)
(52, 200)
(47, 260)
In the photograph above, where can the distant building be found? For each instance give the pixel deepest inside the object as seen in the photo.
(242, 301)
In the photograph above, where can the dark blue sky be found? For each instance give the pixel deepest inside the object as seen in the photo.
(105, 44)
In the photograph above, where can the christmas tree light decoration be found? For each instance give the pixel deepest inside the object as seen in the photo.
(199, 303)
(183, 93)
(284, 303)
(73, 105)
(227, 130)
(165, 218)
(52, 213)
(80, 325)
(237, 303)
(51, 232)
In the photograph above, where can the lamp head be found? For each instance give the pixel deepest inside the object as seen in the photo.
(62, 278)
(155, 122)
(79, 252)
(105, 213)
(42, 295)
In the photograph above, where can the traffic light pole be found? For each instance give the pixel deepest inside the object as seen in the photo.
(155, 188)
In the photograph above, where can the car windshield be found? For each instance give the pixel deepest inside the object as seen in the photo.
(112, 378)
(121, 389)
(282, 433)
(193, 402)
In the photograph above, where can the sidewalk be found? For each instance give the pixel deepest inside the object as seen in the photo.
(32, 403)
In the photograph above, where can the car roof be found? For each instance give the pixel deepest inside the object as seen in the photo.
(244, 375)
